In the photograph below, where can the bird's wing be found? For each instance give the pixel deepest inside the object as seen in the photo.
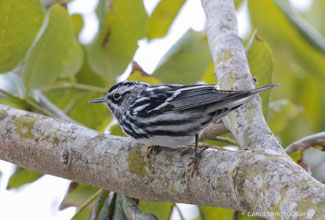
(194, 96)
(154, 100)
(166, 98)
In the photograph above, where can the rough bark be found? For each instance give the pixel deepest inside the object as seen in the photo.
(247, 180)
(231, 67)
(306, 142)
(261, 178)
(247, 123)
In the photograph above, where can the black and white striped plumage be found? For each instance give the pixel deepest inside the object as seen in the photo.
(170, 115)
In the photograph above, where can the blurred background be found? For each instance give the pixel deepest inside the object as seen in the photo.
(64, 53)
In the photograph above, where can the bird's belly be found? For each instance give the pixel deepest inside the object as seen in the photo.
(164, 141)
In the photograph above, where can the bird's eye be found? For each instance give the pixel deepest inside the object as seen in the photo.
(116, 96)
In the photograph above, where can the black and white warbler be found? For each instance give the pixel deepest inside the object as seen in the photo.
(171, 115)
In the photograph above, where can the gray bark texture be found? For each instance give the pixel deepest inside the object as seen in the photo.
(259, 178)
(248, 123)
(247, 180)
(306, 142)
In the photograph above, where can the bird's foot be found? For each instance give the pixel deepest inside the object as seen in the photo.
(192, 167)
(150, 151)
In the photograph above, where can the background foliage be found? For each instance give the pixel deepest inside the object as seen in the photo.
(42, 62)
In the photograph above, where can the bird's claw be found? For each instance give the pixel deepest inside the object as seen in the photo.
(150, 150)
(192, 167)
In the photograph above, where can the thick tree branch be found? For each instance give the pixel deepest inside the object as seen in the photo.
(260, 178)
(247, 180)
(247, 123)
(231, 67)
(306, 142)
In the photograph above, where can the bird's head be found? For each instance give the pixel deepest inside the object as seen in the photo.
(120, 96)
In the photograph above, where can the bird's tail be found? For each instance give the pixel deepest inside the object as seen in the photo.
(257, 90)
(243, 96)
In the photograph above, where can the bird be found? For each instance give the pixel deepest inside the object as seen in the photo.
(171, 115)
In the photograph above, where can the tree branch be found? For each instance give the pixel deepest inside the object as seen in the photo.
(232, 70)
(261, 178)
(214, 130)
(246, 123)
(306, 142)
(247, 180)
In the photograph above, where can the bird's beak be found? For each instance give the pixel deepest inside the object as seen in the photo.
(98, 100)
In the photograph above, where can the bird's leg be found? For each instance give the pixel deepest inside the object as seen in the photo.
(197, 154)
(195, 160)
(149, 150)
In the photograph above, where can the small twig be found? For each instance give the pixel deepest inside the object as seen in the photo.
(76, 86)
(214, 130)
(306, 142)
(29, 103)
(87, 203)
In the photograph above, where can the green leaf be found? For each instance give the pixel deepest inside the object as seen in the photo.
(238, 3)
(304, 28)
(82, 215)
(75, 60)
(314, 15)
(186, 61)
(101, 211)
(55, 52)
(75, 104)
(208, 76)
(313, 99)
(118, 213)
(162, 17)
(281, 112)
(13, 84)
(96, 116)
(285, 37)
(122, 24)
(87, 76)
(296, 156)
(143, 77)
(22, 176)
(116, 130)
(261, 65)
(20, 21)
(78, 193)
(208, 213)
(65, 99)
(15, 103)
(77, 23)
(160, 209)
